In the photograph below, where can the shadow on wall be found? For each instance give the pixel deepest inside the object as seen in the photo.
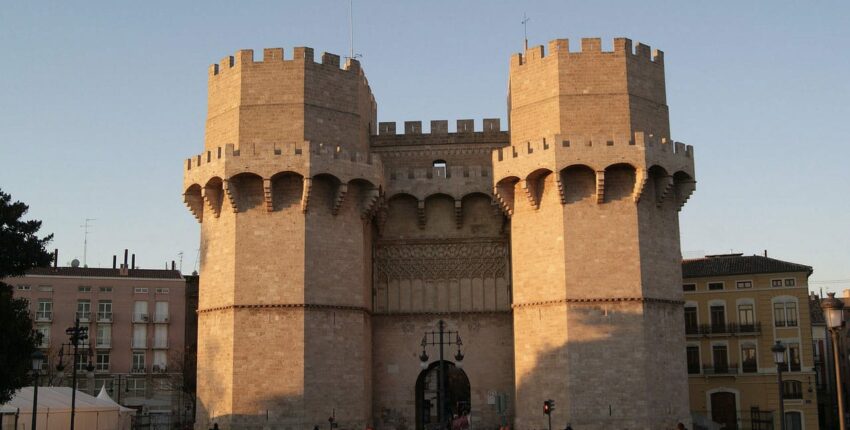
(614, 365)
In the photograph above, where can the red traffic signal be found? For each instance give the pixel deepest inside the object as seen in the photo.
(548, 406)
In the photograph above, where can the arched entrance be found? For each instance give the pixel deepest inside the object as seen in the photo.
(457, 394)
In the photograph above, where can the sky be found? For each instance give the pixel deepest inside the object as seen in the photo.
(101, 102)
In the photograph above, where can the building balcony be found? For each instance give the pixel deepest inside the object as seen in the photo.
(44, 316)
(103, 343)
(138, 344)
(160, 344)
(160, 319)
(138, 370)
(794, 367)
(141, 318)
(729, 329)
(720, 369)
(749, 367)
(104, 317)
(158, 368)
(84, 316)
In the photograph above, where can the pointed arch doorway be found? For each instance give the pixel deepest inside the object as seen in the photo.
(457, 394)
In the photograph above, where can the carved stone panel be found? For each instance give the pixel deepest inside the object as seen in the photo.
(427, 276)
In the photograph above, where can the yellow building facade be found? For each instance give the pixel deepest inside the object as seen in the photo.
(736, 308)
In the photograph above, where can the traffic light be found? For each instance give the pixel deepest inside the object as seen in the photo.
(548, 406)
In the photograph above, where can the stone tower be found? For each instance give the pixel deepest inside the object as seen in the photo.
(284, 192)
(552, 249)
(593, 184)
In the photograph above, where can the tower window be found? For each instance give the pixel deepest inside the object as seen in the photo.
(440, 168)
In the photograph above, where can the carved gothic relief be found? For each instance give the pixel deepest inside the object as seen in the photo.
(441, 260)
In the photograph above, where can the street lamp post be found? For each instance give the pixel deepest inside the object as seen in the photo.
(77, 335)
(442, 337)
(833, 310)
(779, 358)
(37, 359)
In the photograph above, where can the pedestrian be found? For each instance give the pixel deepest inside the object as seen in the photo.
(215, 426)
(680, 426)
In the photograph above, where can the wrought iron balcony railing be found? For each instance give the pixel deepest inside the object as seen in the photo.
(723, 329)
(721, 369)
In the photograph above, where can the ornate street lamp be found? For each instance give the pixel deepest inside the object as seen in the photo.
(77, 335)
(442, 338)
(779, 358)
(37, 359)
(833, 310)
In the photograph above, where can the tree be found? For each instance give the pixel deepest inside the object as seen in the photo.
(20, 250)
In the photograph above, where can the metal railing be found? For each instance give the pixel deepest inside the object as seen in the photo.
(161, 318)
(722, 369)
(104, 317)
(139, 343)
(44, 316)
(141, 318)
(83, 316)
(722, 329)
(103, 342)
(794, 367)
(160, 343)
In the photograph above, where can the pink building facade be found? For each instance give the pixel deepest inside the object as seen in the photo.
(136, 321)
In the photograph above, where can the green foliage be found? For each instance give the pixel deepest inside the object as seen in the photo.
(20, 250)
(17, 342)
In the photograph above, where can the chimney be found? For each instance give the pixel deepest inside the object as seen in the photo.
(765, 253)
(114, 261)
(133, 262)
(56, 258)
(173, 267)
(125, 257)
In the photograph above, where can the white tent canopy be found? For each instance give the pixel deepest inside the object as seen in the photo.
(54, 410)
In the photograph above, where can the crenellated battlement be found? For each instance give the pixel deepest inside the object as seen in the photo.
(557, 152)
(441, 127)
(275, 56)
(583, 144)
(455, 181)
(266, 160)
(440, 173)
(589, 46)
(335, 152)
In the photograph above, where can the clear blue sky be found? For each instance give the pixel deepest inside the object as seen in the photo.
(101, 102)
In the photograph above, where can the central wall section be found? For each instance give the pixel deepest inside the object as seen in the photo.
(442, 253)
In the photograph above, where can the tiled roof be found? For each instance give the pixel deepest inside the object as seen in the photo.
(737, 264)
(100, 272)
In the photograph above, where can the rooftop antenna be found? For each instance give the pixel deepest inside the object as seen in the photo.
(197, 259)
(525, 20)
(180, 255)
(86, 239)
(351, 53)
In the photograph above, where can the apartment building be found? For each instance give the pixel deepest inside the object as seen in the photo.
(736, 308)
(136, 333)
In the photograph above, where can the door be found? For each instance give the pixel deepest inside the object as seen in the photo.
(457, 390)
(724, 410)
(793, 421)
